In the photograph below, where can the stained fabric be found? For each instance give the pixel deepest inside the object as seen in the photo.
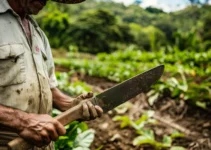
(26, 67)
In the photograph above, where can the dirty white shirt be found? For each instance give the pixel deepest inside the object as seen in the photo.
(26, 68)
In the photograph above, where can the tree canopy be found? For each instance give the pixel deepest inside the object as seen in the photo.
(105, 26)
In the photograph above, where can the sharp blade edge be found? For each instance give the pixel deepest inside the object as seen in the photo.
(128, 89)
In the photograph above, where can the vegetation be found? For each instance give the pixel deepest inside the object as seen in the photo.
(105, 26)
(146, 136)
(122, 41)
(182, 68)
(78, 136)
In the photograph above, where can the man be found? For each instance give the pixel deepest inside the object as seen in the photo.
(27, 80)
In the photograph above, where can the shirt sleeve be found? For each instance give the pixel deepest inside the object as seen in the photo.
(50, 63)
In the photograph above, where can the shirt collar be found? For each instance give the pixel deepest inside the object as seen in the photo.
(4, 6)
(33, 21)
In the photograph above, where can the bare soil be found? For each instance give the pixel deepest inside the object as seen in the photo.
(171, 114)
(179, 115)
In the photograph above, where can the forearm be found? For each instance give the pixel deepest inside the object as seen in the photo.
(12, 118)
(38, 129)
(64, 102)
(60, 100)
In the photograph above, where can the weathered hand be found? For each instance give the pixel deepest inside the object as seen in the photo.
(81, 98)
(40, 130)
(90, 112)
(64, 102)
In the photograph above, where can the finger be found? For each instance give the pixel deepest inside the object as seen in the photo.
(38, 141)
(52, 131)
(86, 95)
(89, 95)
(92, 110)
(99, 110)
(32, 137)
(82, 96)
(86, 113)
(59, 127)
(45, 137)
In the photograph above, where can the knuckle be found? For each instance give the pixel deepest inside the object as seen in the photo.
(54, 122)
(44, 134)
(83, 95)
(50, 128)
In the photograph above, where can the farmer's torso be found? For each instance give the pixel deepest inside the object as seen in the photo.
(26, 66)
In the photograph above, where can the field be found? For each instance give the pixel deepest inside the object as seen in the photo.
(173, 115)
(100, 43)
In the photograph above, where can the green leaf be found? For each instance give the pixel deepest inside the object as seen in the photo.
(84, 139)
(153, 98)
(83, 126)
(56, 112)
(177, 134)
(150, 113)
(123, 108)
(167, 141)
(72, 130)
(125, 120)
(147, 137)
(201, 104)
(140, 140)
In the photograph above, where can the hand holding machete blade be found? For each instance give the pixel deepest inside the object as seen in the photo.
(107, 100)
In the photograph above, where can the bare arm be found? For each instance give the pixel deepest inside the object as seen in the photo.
(39, 130)
(12, 118)
(62, 101)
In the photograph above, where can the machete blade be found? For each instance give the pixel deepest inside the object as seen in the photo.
(128, 89)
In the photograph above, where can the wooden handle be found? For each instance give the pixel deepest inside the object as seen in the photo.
(64, 118)
(19, 144)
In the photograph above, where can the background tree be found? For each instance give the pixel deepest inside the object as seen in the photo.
(105, 26)
(207, 31)
(201, 2)
(154, 10)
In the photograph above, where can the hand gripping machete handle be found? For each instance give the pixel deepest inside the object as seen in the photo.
(64, 118)
(139, 84)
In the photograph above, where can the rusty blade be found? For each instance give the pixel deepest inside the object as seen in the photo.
(128, 89)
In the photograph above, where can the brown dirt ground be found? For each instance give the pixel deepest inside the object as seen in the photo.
(109, 135)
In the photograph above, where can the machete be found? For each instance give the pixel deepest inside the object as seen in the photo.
(128, 89)
(107, 100)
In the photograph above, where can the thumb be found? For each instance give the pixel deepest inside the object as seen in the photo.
(85, 96)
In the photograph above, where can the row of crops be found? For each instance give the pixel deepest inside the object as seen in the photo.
(186, 77)
(187, 74)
